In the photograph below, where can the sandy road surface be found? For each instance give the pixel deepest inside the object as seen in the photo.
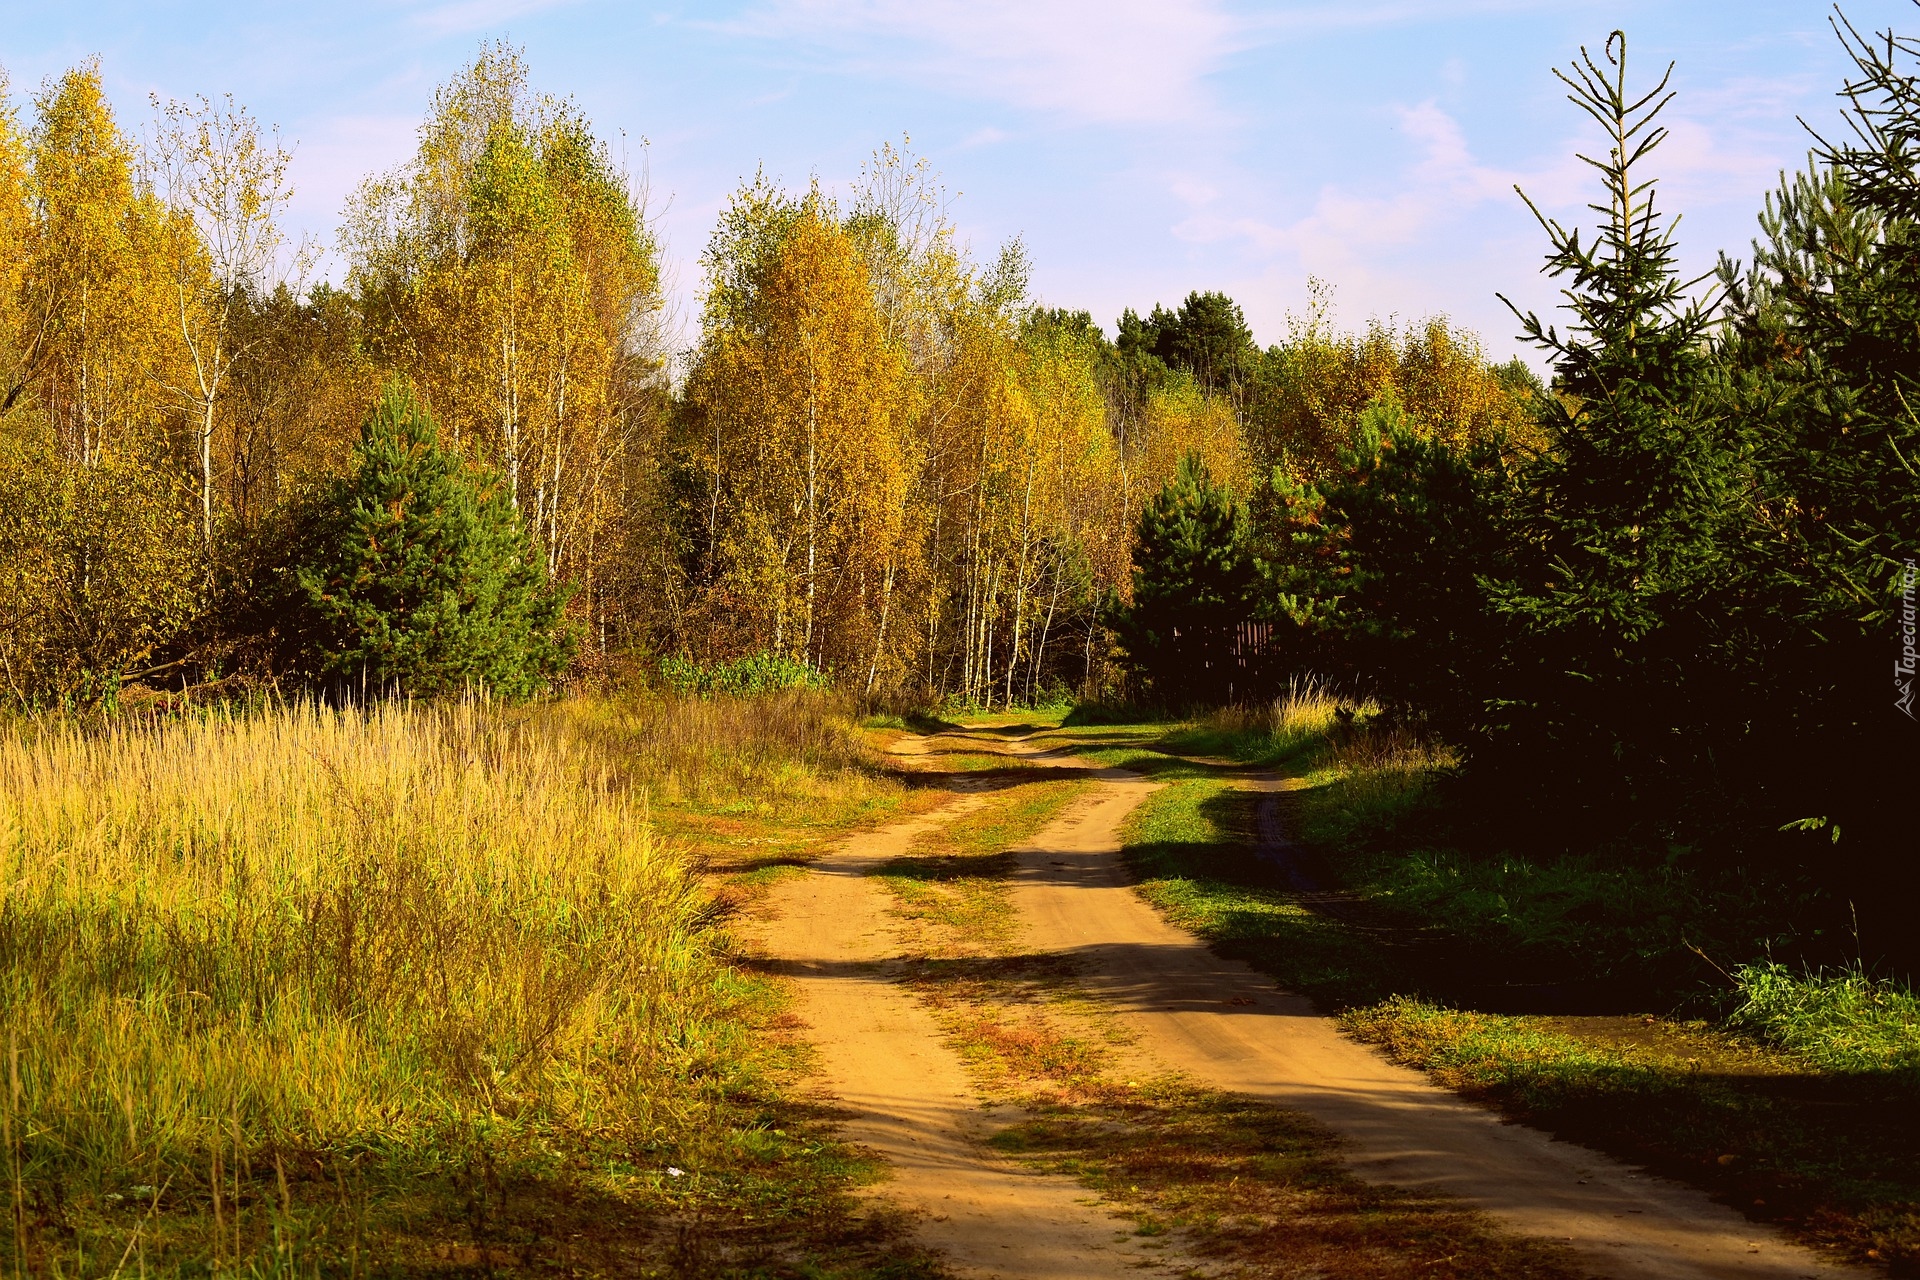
(1228, 1026)
(883, 1059)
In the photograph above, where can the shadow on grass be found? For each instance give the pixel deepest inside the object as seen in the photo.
(1829, 1156)
(1103, 713)
(1257, 1184)
(1224, 863)
(1210, 856)
(767, 1196)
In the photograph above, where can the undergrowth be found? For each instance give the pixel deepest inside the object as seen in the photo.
(1840, 1020)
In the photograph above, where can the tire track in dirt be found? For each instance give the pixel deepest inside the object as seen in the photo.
(1225, 1025)
(884, 1059)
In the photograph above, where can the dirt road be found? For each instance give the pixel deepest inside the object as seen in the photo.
(1230, 1027)
(883, 1059)
(1215, 1020)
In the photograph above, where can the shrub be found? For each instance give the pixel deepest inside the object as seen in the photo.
(743, 677)
(100, 574)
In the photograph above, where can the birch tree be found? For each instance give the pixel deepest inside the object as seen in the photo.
(20, 343)
(102, 346)
(225, 181)
(800, 433)
(510, 271)
(97, 562)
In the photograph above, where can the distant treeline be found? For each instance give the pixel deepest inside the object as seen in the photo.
(881, 461)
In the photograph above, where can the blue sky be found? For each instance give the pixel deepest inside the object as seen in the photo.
(1141, 147)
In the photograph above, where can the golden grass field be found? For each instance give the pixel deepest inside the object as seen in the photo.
(253, 961)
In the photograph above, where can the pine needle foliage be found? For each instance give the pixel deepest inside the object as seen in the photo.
(1824, 349)
(1627, 511)
(423, 579)
(1193, 583)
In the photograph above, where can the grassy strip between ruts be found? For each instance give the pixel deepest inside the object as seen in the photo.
(1245, 1186)
(954, 879)
(1246, 1189)
(1826, 1154)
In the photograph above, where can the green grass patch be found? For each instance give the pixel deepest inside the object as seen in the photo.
(1140, 748)
(1193, 847)
(910, 721)
(954, 879)
(1614, 927)
(1830, 1157)
(1841, 1021)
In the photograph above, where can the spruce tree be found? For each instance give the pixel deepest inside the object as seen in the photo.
(1193, 583)
(1825, 348)
(420, 577)
(1405, 543)
(1629, 515)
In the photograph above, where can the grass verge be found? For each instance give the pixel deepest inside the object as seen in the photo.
(1195, 851)
(409, 991)
(1801, 1110)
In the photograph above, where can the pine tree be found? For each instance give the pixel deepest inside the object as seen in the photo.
(1631, 508)
(1386, 571)
(422, 579)
(1193, 583)
(1825, 347)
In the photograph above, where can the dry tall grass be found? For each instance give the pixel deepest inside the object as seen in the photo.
(1309, 712)
(409, 933)
(772, 751)
(1373, 758)
(1379, 763)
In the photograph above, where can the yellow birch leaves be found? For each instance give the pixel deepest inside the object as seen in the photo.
(894, 473)
(803, 413)
(509, 271)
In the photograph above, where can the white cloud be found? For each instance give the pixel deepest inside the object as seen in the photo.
(1194, 192)
(1099, 61)
(1347, 230)
(1702, 164)
(1108, 61)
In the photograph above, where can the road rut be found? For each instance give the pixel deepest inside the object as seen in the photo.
(1227, 1026)
(883, 1059)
